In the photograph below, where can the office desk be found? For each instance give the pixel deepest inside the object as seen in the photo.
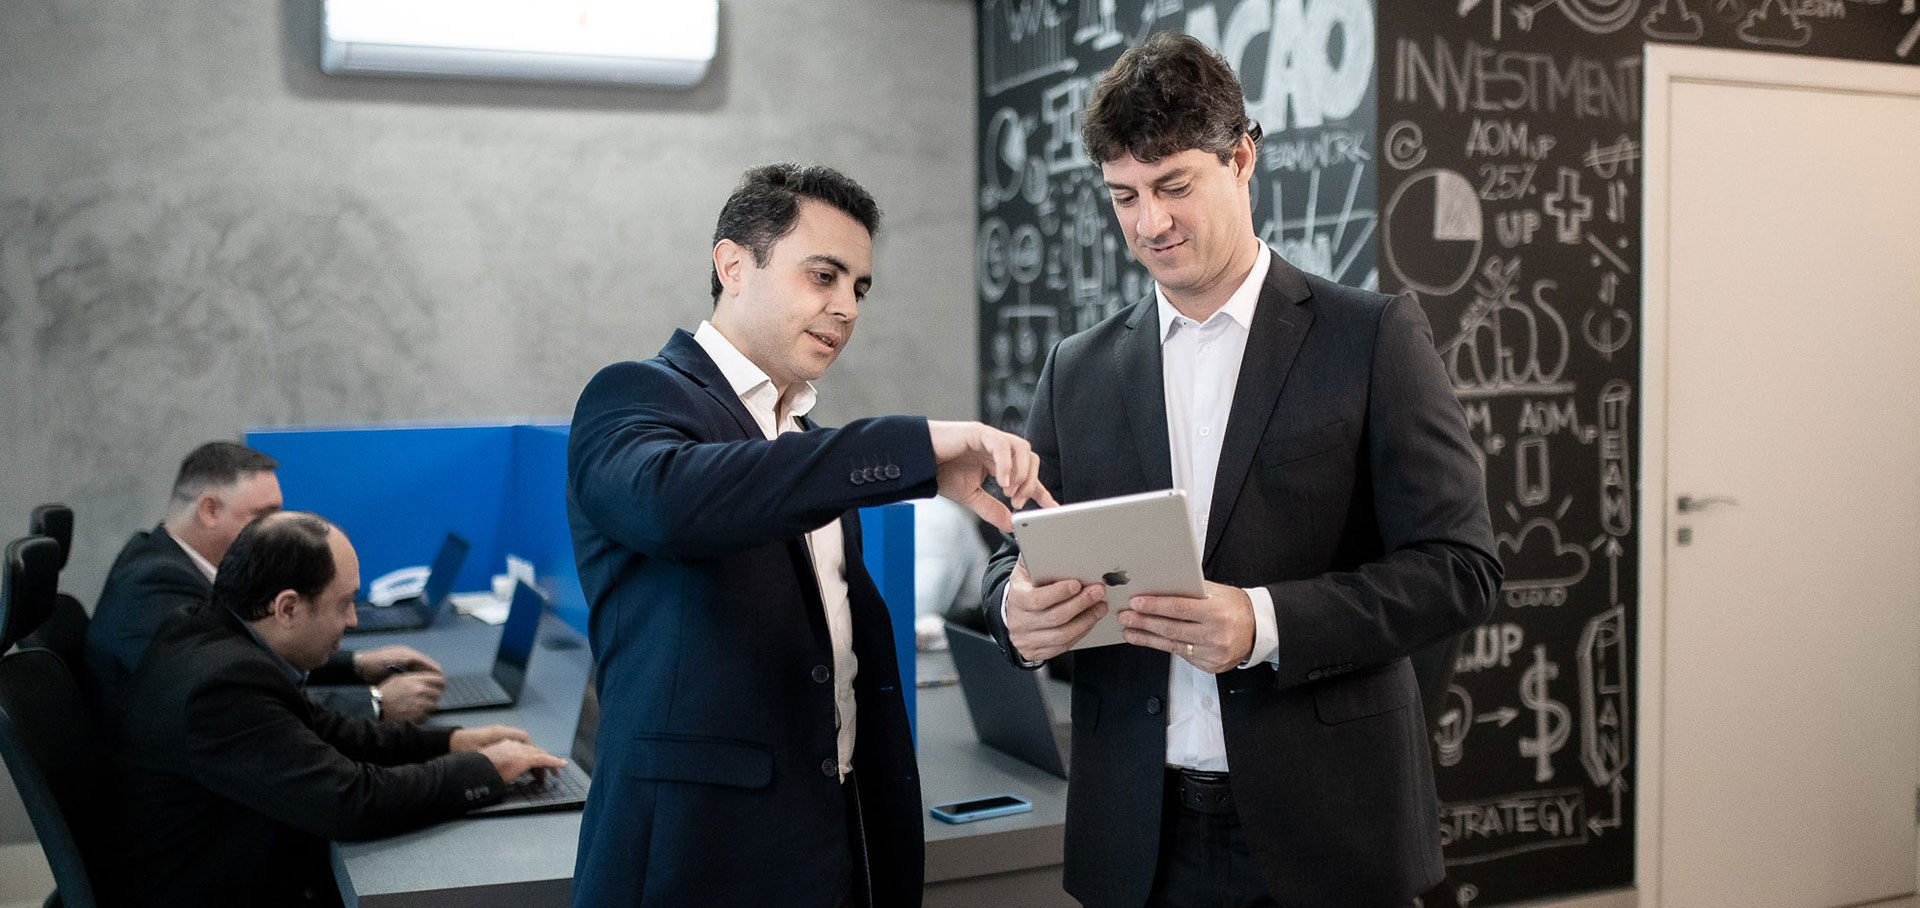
(527, 860)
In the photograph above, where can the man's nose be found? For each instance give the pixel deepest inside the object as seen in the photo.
(1153, 220)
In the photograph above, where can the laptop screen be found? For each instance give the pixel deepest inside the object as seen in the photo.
(446, 566)
(516, 638)
(585, 729)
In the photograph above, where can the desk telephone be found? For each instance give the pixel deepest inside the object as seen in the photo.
(395, 585)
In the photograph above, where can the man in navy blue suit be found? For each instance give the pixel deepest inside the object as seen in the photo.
(753, 746)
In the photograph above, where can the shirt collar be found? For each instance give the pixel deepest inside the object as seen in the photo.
(1239, 306)
(200, 561)
(749, 381)
(295, 675)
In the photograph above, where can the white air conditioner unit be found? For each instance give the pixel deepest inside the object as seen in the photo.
(639, 42)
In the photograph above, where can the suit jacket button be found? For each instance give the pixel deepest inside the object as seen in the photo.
(892, 471)
(830, 767)
(1153, 706)
(821, 674)
(854, 478)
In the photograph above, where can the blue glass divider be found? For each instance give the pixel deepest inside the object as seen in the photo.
(397, 489)
(886, 538)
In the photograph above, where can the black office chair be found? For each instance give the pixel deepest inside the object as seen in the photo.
(48, 737)
(64, 631)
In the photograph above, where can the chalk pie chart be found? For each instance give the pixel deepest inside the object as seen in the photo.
(1433, 232)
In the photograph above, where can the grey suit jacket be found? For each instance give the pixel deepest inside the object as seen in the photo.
(1347, 487)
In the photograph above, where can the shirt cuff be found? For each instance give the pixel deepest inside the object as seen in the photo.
(1036, 663)
(1266, 633)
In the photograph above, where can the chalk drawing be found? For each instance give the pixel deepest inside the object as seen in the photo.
(1489, 646)
(1568, 206)
(1905, 46)
(1433, 231)
(1319, 56)
(1552, 722)
(1092, 257)
(1506, 346)
(1616, 497)
(1060, 107)
(1539, 558)
(1597, 17)
(991, 269)
(1096, 29)
(1464, 896)
(1607, 331)
(1405, 144)
(1606, 162)
(1672, 21)
(1004, 163)
(1530, 479)
(1450, 732)
(1313, 249)
(1775, 24)
(1505, 825)
(1468, 6)
(1025, 41)
(1604, 706)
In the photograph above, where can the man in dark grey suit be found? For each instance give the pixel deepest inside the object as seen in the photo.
(1262, 745)
(220, 488)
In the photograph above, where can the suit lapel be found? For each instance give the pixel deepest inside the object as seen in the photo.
(1143, 393)
(685, 354)
(1279, 326)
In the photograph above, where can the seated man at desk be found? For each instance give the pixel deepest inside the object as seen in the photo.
(220, 487)
(232, 782)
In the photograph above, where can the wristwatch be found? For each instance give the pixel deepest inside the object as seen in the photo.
(374, 690)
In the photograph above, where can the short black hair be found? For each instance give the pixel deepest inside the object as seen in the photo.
(764, 207)
(290, 550)
(1168, 94)
(216, 464)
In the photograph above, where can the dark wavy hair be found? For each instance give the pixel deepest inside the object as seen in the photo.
(766, 204)
(1165, 95)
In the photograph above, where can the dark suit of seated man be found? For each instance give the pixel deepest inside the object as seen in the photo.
(232, 781)
(222, 486)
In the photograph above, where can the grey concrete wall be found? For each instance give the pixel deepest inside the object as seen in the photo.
(201, 232)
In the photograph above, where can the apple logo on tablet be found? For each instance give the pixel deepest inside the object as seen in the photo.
(1114, 578)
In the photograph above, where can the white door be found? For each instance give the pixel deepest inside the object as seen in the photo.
(1783, 232)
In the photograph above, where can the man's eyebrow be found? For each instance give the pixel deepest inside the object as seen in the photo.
(834, 262)
(821, 258)
(1178, 173)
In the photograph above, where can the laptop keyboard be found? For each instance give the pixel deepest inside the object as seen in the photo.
(465, 691)
(569, 784)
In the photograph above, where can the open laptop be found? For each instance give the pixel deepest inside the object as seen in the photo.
(560, 790)
(415, 612)
(501, 686)
(1008, 705)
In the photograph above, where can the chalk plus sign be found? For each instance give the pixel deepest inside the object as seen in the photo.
(1569, 208)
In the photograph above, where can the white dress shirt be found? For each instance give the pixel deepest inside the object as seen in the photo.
(825, 545)
(1199, 370)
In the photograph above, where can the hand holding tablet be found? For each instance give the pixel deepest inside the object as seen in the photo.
(1114, 548)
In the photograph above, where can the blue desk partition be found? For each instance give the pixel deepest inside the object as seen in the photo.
(397, 490)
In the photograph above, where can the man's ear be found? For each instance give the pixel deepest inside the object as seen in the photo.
(1243, 160)
(286, 606)
(730, 259)
(207, 507)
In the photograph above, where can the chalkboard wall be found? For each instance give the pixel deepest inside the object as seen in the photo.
(1484, 156)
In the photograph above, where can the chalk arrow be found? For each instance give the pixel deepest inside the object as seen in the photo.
(1467, 6)
(1503, 715)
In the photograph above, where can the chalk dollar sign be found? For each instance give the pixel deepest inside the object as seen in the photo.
(1551, 721)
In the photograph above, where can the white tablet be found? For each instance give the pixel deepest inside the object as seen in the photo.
(1138, 545)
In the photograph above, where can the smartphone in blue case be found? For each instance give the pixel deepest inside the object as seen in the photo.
(980, 808)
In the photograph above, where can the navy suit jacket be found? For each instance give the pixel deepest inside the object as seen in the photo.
(715, 777)
(154, 577)
(1348, 487)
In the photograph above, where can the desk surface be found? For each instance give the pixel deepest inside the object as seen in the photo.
(528, 859)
